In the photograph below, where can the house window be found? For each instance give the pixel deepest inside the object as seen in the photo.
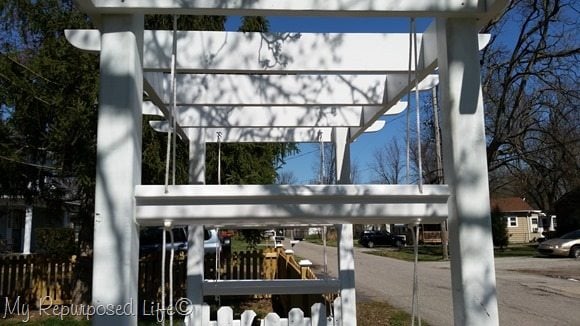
(512, 221)
(534, 222)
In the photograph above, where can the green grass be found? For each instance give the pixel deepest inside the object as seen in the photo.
(369, 313)
(519, 250)
(316, 240)
(374, 313)
(42, 321)
(426, 253)
(434, 252)
(239, 244)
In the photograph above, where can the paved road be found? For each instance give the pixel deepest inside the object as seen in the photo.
(531, 291)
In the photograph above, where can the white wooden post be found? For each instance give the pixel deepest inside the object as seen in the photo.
(27, 230)
(464, 155)
(195, 250)
(341, 138)
(116, 237)
(318, 314)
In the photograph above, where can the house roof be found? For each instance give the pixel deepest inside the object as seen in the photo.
(510, 204)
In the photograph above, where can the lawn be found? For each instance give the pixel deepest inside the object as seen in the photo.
(369, 313)
(434, 252)
(426, 253)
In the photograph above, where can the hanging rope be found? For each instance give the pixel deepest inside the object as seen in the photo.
(171, 259)
(219, 169)
(171, 138)
(174, 92)
(172, 121)
(408, 114)
(415, 305)
(417, 106)
(321, 143)
(325, 257)
(163, 244)
(324, 249)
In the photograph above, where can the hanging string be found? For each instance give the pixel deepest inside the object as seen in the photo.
(325, 257)
(324, 249)
(163, 244)
(415, 305)
(218, 264)
(219, 171)
(174, 92)
(172, 122)
(321, 176)
(171, 259)
(408, 114)
(417, 107)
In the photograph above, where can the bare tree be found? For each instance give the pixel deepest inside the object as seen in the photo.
(387, 164)
(286, 178)
(531, 96)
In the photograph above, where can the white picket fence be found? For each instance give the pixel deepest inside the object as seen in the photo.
(225, 317)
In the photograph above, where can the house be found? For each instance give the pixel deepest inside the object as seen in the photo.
(18, 222)
(523, 222)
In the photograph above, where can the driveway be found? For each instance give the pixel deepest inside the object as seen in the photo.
(531, 291)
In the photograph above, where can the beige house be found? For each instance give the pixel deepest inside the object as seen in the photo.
(524, 223)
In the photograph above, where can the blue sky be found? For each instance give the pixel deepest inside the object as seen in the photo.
(303, 164)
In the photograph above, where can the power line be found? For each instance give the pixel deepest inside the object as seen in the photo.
(301, 155)
(29, 164)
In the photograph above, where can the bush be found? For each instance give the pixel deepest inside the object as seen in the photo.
(55, 241)
(499, 230)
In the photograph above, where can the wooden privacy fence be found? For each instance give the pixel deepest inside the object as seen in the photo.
(244, 265)
(296, 317)
(36, 279)
(289, 268)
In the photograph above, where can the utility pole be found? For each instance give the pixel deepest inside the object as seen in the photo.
(444, 234)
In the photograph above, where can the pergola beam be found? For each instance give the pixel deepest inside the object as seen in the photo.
(360, 8)
(257, 135)
(229, 205)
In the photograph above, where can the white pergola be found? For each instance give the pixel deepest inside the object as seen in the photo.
(329, 87)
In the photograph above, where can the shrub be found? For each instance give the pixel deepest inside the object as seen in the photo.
(55, 241)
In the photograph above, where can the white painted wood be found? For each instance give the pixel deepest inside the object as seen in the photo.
(470, 242)
(361, 8)
(252, 205)
(265, 90)
(338, 312)
(116, 235)
(256, 135)
(352, 53)
(27, 229)
(399, 107)
(215, 117)
(247, 318)
(225, 316)
(260, 135)
(205, 311)
(279, 286)
(345, 232)
(296, 317)
(318, 314)
(195, 235)
(376, 126)
(206, 51)
(84, 39)
(272, 319)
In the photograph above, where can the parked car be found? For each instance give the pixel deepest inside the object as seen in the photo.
(370, 239)
(211, 242)
(566, 245)
(151, 239)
